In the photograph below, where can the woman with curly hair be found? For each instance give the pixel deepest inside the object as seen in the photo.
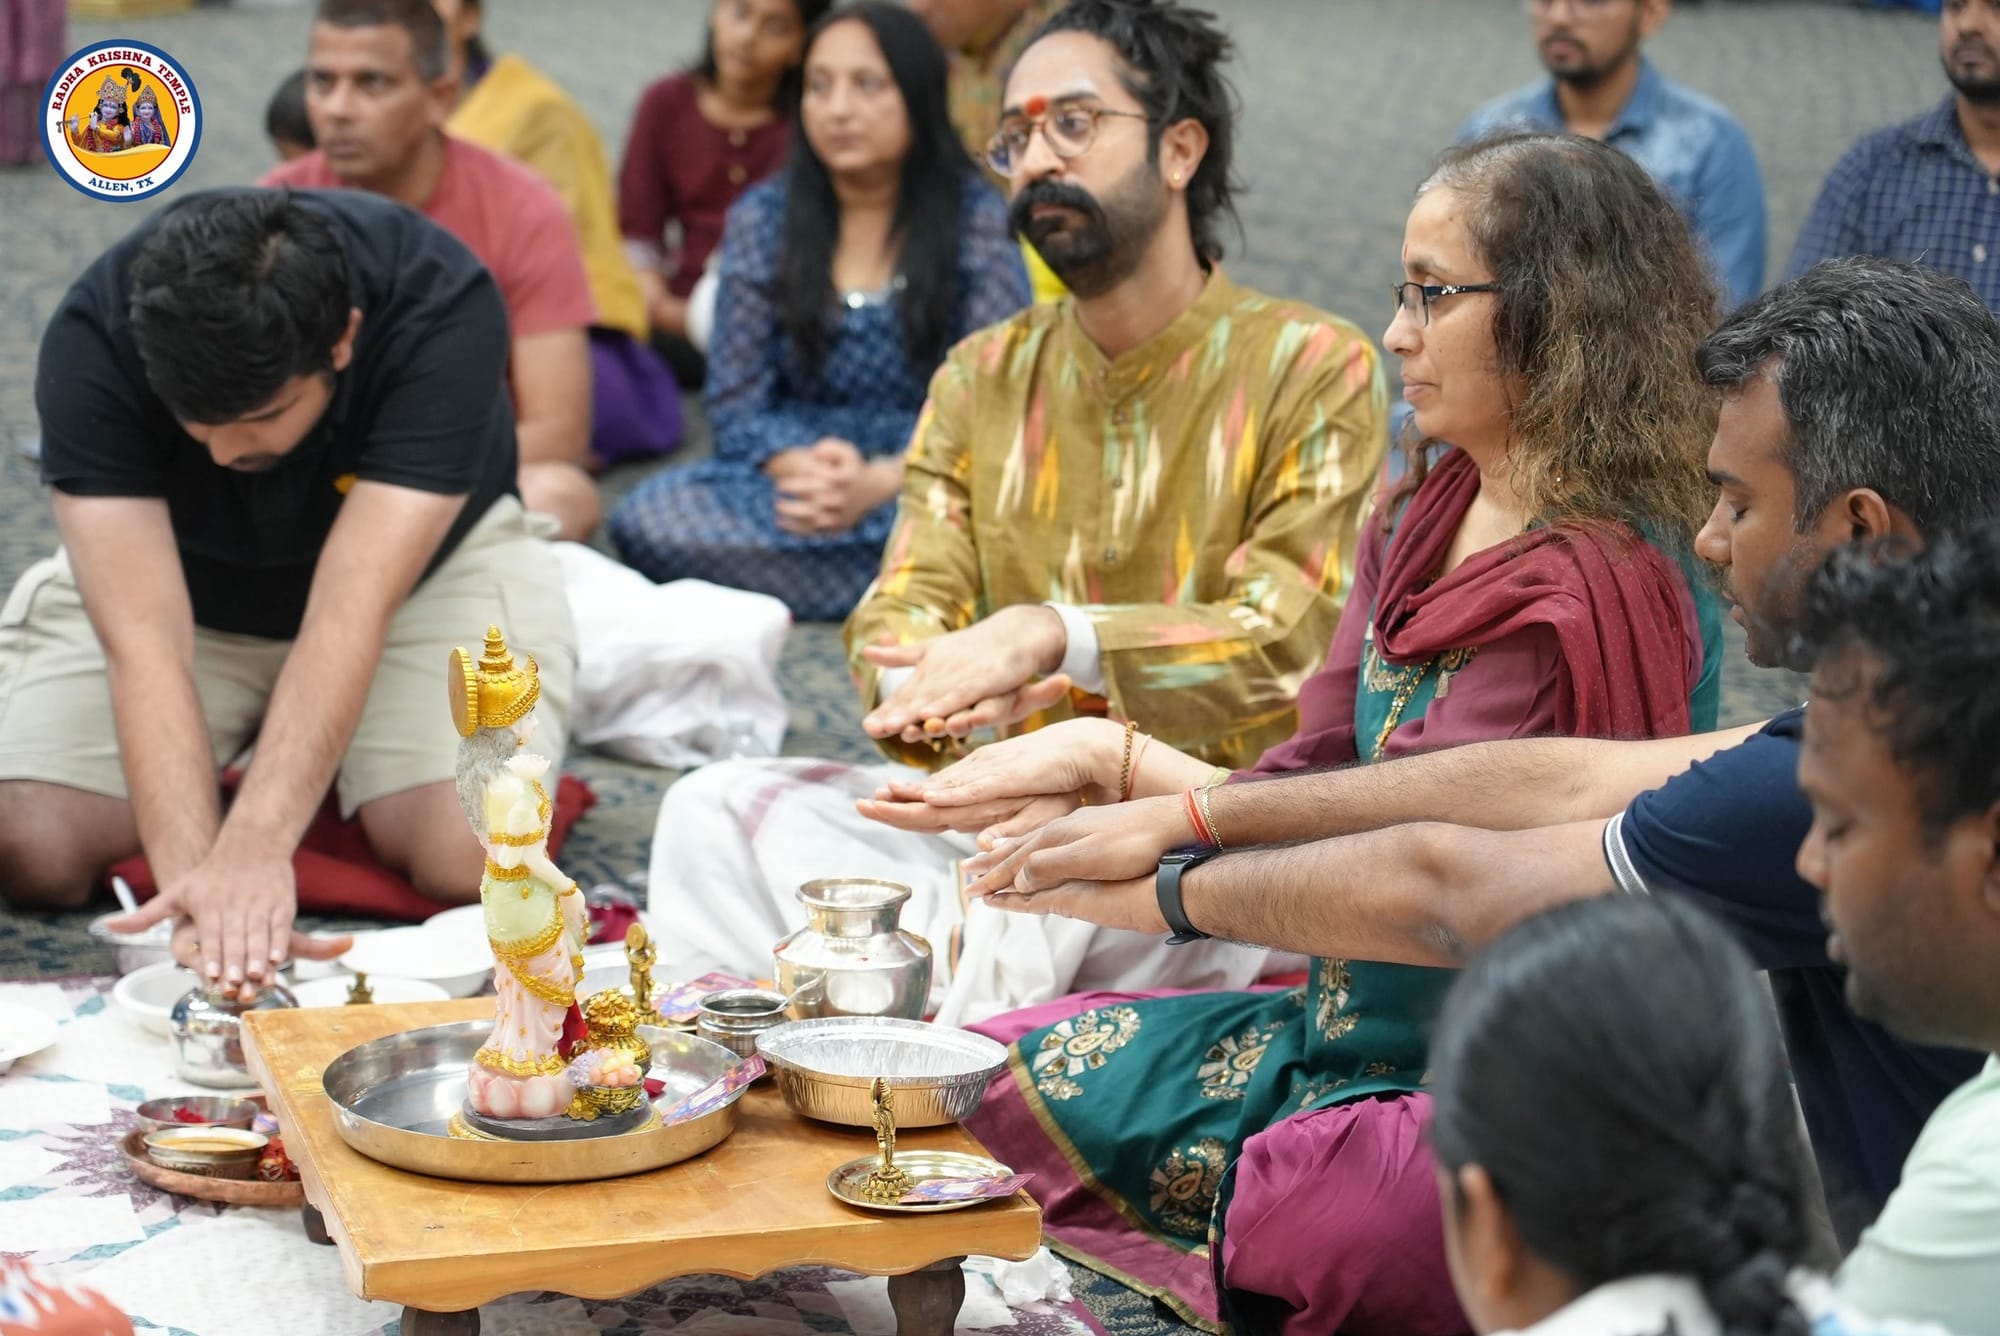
(1531, 577)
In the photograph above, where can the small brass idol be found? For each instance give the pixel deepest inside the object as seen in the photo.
(640, 953)
(359, 994)
(886, 1183)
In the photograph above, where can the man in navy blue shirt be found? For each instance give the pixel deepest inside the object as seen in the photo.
(1601, 86)
(1859, 401)
(1927, 190)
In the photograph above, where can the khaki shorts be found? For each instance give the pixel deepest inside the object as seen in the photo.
(55, 702)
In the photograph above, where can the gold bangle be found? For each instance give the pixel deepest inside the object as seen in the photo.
(1125, 766)
(1201, 800)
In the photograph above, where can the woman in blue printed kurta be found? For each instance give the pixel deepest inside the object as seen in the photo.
(807, 382)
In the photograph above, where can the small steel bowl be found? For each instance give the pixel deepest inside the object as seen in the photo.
(135, 950)
(734, 1017)
(825, 1067)
(157, 1115)
(212, 1152)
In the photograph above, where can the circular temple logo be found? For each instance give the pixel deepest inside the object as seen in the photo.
(121, 120)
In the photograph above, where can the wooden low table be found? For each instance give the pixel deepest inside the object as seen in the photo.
(754, 1204)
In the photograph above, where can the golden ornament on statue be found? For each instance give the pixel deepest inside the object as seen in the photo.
(490, 692)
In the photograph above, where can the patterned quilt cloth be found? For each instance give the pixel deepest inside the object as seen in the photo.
(192, 1268)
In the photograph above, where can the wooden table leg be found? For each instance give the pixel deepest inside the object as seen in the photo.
(315, 1224)
(926, 1302)
(418, 1322)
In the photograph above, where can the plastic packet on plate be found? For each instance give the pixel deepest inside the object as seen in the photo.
(682, 1001)
(712, 1095)
(964, 1189)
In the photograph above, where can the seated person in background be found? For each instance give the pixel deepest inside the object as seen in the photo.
(1923, 190)
(985, 38)
(1902, 766)
(285, 121)
(378, 91)
(844, 282)
(1859, 400)
(699, 139)
(277, 433)
(1153, 491)
(1600, 85)
(1616, 1144)
(509, 106)
(1553, 303)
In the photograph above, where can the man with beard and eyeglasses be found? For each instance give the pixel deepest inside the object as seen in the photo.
(1142, 501)
(1600, 85)
(1901, 763)
(1859, 401)
(1927, 190)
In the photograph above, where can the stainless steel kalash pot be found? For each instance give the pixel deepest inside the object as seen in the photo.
(208, 1034)
(863, 962)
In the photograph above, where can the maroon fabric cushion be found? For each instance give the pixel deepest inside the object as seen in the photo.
(339, 874)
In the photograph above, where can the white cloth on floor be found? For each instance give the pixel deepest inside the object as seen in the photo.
(737, 839)
(673, 675)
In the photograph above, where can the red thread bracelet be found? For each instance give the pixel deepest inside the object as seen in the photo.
(1200, 825)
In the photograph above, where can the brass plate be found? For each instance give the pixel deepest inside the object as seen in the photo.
(923, 1166)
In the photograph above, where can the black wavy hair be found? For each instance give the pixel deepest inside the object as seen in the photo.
(232, 295)
(810, 13)
(1170, 59)
(1613, 1066)
(1928, 625)
(936, 174)
(1889, 374)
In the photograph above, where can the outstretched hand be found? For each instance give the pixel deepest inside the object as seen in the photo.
(1107, 845)
(991, 674)
(1131, 905)
(236, 926)
(1008, 788)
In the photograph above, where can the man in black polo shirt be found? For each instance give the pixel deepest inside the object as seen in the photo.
(282, 463)
(1860, 400)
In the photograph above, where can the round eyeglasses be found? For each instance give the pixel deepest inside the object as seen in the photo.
(1416, 298)
(1070, 128)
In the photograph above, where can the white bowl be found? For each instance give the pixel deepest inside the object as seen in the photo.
(23, 1031)
(332, 991)
(466, 922)
(147, 996)
(449, 960)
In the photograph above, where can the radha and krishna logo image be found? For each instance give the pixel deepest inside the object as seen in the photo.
(121, 120)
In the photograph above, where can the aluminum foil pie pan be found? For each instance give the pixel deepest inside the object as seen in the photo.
(825, 1066)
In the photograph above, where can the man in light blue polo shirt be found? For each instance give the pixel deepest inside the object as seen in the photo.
(1601, 86)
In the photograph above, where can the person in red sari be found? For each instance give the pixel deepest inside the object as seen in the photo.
(1261, 1158)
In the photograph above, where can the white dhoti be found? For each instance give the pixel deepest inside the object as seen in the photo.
(736, 840)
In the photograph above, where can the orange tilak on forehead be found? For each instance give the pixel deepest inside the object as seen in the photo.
(1035, 106)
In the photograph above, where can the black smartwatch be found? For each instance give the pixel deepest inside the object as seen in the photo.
(1168, 883)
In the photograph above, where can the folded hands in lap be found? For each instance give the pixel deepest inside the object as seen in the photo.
(829, 486)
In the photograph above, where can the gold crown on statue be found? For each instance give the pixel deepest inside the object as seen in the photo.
(111, 90)
(491, 691)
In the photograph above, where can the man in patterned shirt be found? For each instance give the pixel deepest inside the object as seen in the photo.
(1143, 501)
(1600, 85)
(1927, 190)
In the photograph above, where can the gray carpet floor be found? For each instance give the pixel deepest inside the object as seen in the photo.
(1345, 102)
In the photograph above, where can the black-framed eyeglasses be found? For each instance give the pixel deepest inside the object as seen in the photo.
(1069, 127)
(1416, 298)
